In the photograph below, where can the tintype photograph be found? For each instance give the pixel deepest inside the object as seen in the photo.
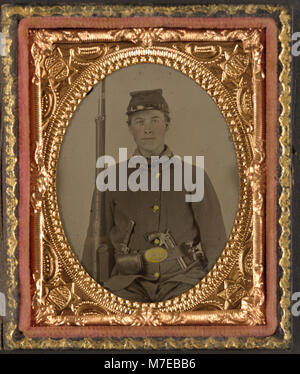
(136, 117)
(147, 180)
(148, 192)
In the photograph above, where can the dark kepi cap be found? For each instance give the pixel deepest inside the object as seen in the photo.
(146, 100)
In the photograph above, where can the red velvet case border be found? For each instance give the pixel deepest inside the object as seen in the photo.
(271, 101)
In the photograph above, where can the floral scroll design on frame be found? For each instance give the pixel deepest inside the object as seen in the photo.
(227, 64)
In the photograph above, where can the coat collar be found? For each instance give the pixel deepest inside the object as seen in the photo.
(166, 152)
(152, 164)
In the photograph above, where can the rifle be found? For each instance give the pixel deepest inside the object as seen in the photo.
(97, 220)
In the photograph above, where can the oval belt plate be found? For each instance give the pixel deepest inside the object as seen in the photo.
(156, 254)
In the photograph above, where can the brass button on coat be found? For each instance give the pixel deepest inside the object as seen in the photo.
(155, 208)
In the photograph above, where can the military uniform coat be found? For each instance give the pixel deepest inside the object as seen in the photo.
(154, 211)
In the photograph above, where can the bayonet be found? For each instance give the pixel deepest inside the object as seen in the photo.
(124, 245)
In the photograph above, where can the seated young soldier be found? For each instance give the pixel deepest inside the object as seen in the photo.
(154, 244)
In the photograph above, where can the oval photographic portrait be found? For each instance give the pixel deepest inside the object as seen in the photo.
(147, 183)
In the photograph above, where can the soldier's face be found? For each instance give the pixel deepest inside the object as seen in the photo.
(148, 129)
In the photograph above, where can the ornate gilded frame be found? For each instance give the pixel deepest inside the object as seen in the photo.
(227, 63)
(68, 303)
